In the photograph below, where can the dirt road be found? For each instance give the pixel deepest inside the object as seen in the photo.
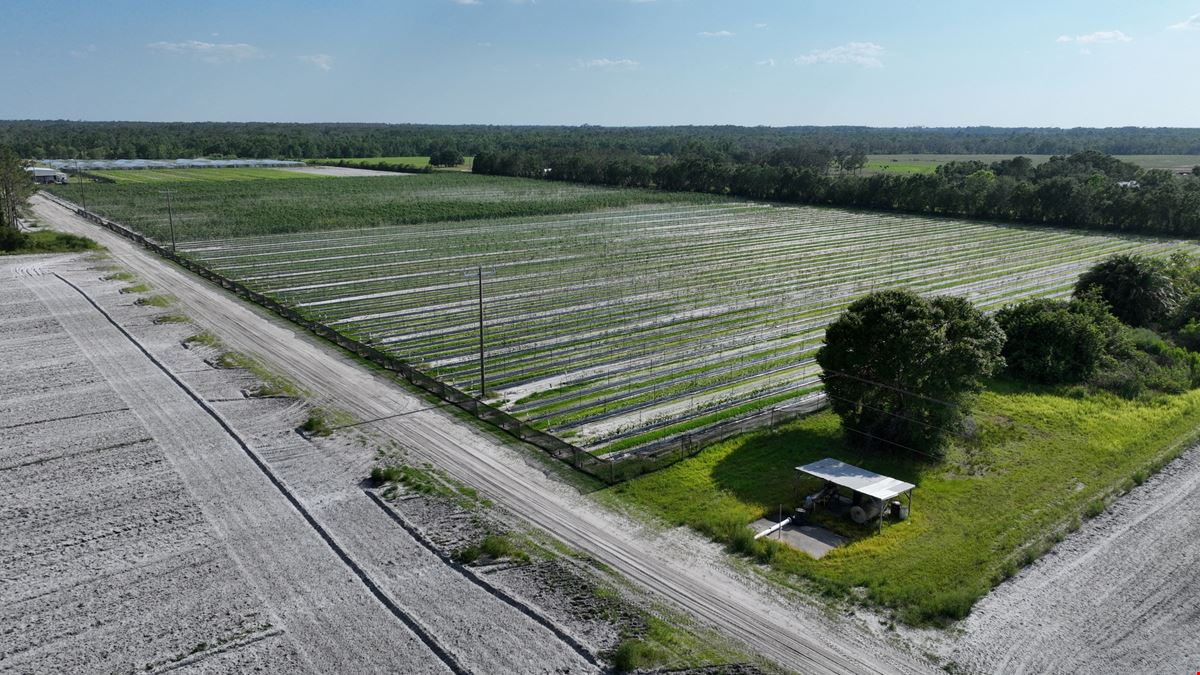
(680, 568)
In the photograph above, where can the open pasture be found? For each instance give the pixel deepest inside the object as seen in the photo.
(620, 327)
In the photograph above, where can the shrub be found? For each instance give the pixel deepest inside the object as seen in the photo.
(466, 555)
(316, 425)
(1139, 290)
(1047, 342)
(633, 654)
(899, 368)
(1189, 335)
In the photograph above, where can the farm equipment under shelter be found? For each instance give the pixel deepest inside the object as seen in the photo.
(872, 496)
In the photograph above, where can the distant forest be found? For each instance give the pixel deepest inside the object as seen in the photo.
(1087, 189)
(167, 140)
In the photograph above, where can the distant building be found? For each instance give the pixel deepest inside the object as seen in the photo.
(1132, 184)
(46, 176)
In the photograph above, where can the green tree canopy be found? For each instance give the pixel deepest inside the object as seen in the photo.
(445, 155)
(16, 186)
(1055, 342)
(899, 369)
(1138, 289)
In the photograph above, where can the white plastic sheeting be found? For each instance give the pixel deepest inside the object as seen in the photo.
(198, 163)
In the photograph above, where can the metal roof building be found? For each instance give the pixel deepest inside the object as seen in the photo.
(856, 479)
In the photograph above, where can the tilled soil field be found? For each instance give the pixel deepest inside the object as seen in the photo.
(144, 530)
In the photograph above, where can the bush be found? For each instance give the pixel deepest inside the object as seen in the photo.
(633, 654)
(467, 555)
(1189, 335)
(899, 368)
(316, 425)
(1155, 366)
(1139, 290)
(1046, 342)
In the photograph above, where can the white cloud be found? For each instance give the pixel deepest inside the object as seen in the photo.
(1100, 37)
(770, 63)
(865, 54)
(467, 2)
(83, 52)
(320, 61)
(760, 25)
(719, 33)
(609, 64)
(210, 52)
(1190, 23)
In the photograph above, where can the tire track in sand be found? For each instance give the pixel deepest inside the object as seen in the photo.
(336, 616)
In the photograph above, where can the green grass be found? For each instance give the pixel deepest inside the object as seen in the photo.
(1041, 461)
(218, 209)
(46, 241)
(156, 301)
(160, 176)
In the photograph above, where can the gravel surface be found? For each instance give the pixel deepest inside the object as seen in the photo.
(1117, 596)
(682, 569)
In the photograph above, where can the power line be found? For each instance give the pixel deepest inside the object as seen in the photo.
(892, 387)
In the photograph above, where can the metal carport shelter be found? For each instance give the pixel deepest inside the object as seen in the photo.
(869, 483)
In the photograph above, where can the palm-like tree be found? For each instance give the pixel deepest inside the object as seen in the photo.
(1139, 289)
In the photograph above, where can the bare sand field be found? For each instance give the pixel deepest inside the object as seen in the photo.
(143, 529)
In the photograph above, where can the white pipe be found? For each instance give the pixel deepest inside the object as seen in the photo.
(773, 528)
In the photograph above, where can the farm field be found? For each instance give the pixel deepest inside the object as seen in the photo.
(909, 164)
(613, 328)
(622, 327)
(210, 209)
(196, 175)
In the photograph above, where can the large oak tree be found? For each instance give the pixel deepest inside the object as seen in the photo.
(899, 369)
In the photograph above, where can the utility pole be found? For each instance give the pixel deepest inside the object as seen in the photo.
(170, 216)
(82, 192)
(482, 382)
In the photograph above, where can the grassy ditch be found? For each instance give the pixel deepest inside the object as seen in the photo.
(1039, 462)
(46, 241)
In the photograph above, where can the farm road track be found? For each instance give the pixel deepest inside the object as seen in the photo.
(679, 568)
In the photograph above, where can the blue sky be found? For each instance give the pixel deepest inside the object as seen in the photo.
(611, 62)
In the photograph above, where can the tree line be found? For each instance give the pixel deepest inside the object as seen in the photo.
(1087, 189)
(169, 140)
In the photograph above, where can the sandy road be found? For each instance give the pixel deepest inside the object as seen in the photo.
(679, 568)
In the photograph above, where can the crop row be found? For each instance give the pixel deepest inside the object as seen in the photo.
(618, 326)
